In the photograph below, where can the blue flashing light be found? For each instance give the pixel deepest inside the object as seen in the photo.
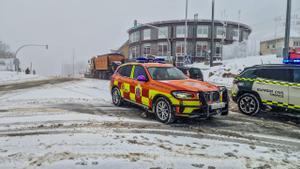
(150, 60)
(141, 60)
(291, 61)
(159, 60)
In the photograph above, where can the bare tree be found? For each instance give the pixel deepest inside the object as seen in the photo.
(5, 51)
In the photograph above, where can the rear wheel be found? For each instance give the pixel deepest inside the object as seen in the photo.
(116, 97)
(163, 111)
(249, 104)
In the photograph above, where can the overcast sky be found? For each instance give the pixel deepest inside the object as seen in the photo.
(95, 26)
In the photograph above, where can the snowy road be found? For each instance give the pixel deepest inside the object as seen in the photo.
(74, 125)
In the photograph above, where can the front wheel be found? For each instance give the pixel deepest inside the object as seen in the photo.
(163, 111)
(116, 97)
(249, 104)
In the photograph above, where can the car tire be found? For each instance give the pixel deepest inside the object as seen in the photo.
(116, 97)
(249, 104)
(163, 111)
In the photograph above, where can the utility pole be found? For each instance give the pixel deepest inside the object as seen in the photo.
(195, 37)
(73, 58)
(239, 20)
(186, 27)
(212, 33)
(287, 30)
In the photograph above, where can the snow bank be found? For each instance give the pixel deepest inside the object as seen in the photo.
(89, 91)
(13, 77)
(223, 74)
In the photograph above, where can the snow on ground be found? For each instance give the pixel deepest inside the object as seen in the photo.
(7, 77)
(233, 67)
(107, 149)
(87, 91)
(67, 125)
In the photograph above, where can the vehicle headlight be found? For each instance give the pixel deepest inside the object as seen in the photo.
(182, 95)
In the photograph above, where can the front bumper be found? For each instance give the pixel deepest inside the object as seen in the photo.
(201, 111)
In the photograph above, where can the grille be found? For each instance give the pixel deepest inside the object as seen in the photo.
(212, 96)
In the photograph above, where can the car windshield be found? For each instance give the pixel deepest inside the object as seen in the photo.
(166, 73)
(195, 71)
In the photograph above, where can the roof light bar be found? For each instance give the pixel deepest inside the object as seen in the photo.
(291, 61)
(150, 60)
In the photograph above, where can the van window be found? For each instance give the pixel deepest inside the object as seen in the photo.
(125, 70)
(275, 74)
(139, 70)
(249, 73)
(297, 75)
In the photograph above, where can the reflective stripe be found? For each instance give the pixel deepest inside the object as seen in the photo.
(132, 96)
(191, 103)
(116, 82)
(280, 104)
(153, 93)
(189, 110)
(132, 72)
(145, 101)
(265, 81)
(126, 87)
(139, 95)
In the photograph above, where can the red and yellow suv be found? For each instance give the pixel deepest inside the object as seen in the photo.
(164, 90)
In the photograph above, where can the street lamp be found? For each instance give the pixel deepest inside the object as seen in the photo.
(23, 46)
(166, 35)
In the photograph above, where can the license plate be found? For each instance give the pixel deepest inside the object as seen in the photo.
(214, 106)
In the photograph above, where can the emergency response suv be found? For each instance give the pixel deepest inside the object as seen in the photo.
(263, 86)
(165, 91)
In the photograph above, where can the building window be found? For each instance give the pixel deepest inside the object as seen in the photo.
(162, 49)
(218, 49)
(220, 32)
(134, 52)
(296, 43)
(163, 33)
(235, 34)
(179, 48)
(245, 35)
(180, 31)
(146, 49)
(202, 31)
(147, 34)
(202, 49)
(134, 37)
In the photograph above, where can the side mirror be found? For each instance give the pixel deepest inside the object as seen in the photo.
(142, 78)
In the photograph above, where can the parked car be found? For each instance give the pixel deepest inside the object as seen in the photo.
(193, 73)
(165, 91)
(263, 86)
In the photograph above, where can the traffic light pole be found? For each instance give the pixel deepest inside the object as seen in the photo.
(287, 30)
(212, 32)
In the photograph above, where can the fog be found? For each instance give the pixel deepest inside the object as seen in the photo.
(94, 27)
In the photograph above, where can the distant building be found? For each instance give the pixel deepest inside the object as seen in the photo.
(124, 50)
(275, 46)
(147, 40)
